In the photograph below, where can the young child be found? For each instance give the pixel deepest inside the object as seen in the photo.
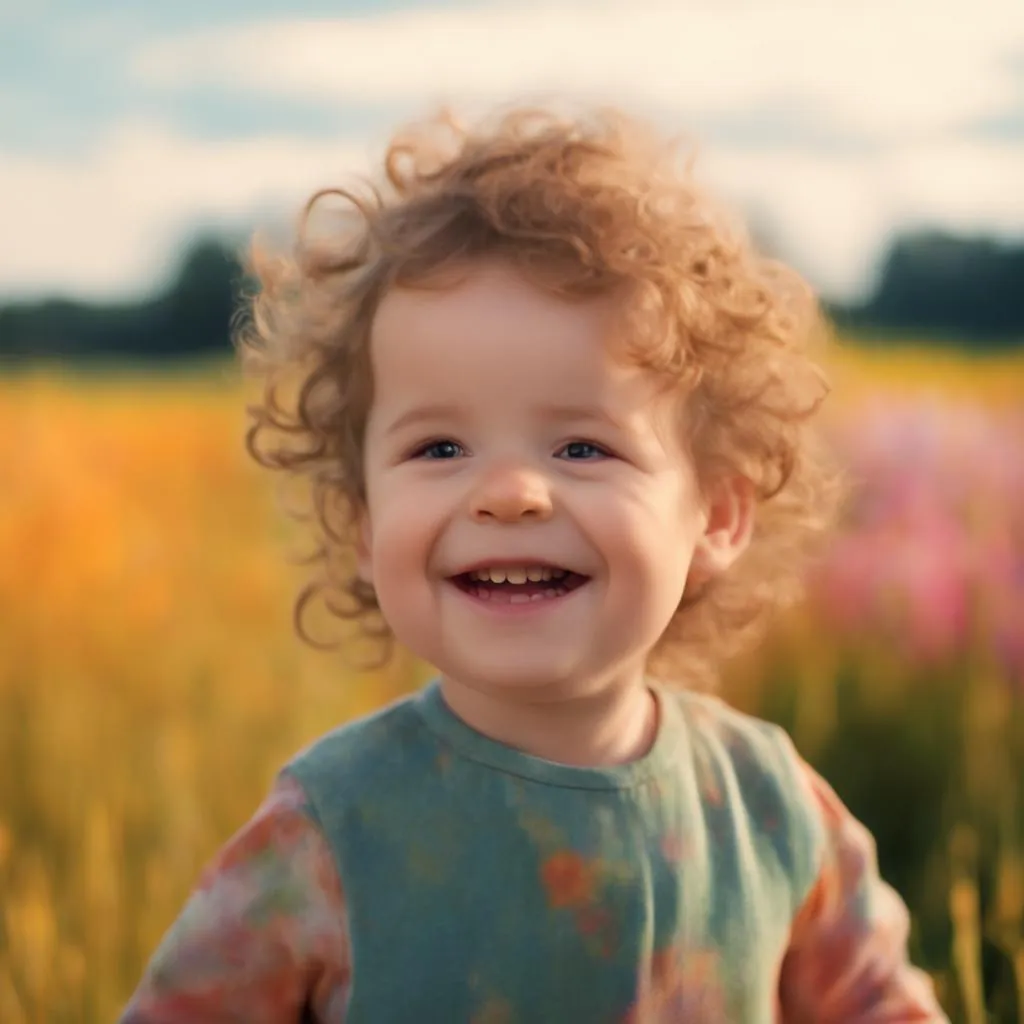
(558, 423)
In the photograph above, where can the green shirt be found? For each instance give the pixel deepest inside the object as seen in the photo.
(495, 886)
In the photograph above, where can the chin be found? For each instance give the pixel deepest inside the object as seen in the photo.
(513, 678)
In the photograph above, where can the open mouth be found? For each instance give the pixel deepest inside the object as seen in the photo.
(519, 584)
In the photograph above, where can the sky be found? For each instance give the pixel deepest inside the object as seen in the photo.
(127, 127)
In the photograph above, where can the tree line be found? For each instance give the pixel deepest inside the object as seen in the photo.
(932, 286)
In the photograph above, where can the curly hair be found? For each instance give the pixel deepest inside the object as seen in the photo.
(582, 205)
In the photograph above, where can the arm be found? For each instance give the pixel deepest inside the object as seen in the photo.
(263, 938)
(847, 959)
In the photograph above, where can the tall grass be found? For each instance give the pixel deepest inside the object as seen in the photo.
(150, 684)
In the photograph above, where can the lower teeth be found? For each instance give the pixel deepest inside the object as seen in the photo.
(485, 594)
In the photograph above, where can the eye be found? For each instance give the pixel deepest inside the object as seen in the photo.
(443, 449)
(582, 451)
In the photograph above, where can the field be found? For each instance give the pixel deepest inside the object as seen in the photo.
(150, 683)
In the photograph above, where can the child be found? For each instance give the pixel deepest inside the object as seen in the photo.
(558, 423)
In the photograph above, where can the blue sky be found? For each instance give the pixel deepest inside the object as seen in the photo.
(125, 127)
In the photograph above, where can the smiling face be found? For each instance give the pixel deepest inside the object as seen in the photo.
(531, 514)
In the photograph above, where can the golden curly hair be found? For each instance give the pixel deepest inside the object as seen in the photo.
(582, 205)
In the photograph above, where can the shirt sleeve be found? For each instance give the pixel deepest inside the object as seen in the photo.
(263, 939)
(847, 959)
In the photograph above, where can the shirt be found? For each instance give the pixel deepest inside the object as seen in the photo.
(407, 868)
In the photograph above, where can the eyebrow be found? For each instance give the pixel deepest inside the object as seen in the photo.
(586, 413)
(421, 414)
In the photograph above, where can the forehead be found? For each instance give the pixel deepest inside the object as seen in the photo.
(492, 328)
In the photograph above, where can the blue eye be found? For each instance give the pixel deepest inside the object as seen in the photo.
(582, 451)
(443, 449)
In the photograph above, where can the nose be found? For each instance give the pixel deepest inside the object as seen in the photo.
(510, 494)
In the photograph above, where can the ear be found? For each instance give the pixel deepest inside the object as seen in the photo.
(364, 548)
(729, 523)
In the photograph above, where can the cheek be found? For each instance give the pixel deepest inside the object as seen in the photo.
(645, 520)
(403, 535)
(648, 541)
(397, 541)
(397, 560)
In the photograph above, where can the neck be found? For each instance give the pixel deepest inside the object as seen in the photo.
(615, 724)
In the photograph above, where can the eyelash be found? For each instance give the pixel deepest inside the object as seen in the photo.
(599, 452)
(421, 452)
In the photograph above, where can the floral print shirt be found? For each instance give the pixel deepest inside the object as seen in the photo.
(754, 898)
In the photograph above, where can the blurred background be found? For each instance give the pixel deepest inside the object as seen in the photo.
(150, 682)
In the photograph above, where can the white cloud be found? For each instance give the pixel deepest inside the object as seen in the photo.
(107, 223)
(834, 213)
(898, 72)
(882, 68)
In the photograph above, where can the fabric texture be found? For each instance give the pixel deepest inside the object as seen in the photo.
(407, 868)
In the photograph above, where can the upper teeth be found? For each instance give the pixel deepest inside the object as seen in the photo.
(532, 573)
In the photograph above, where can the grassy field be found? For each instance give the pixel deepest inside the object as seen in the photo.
(150, 684)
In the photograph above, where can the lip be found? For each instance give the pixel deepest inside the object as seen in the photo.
(506, 609)
(524, 562)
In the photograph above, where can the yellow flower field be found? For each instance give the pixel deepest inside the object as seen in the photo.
(150, 682)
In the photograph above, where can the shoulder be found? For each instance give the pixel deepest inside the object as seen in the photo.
(366, 756)
(279, 844)
(752, 744)
(761, 778)
(267, 913)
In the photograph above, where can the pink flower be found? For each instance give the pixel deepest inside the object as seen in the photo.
(934, 538)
